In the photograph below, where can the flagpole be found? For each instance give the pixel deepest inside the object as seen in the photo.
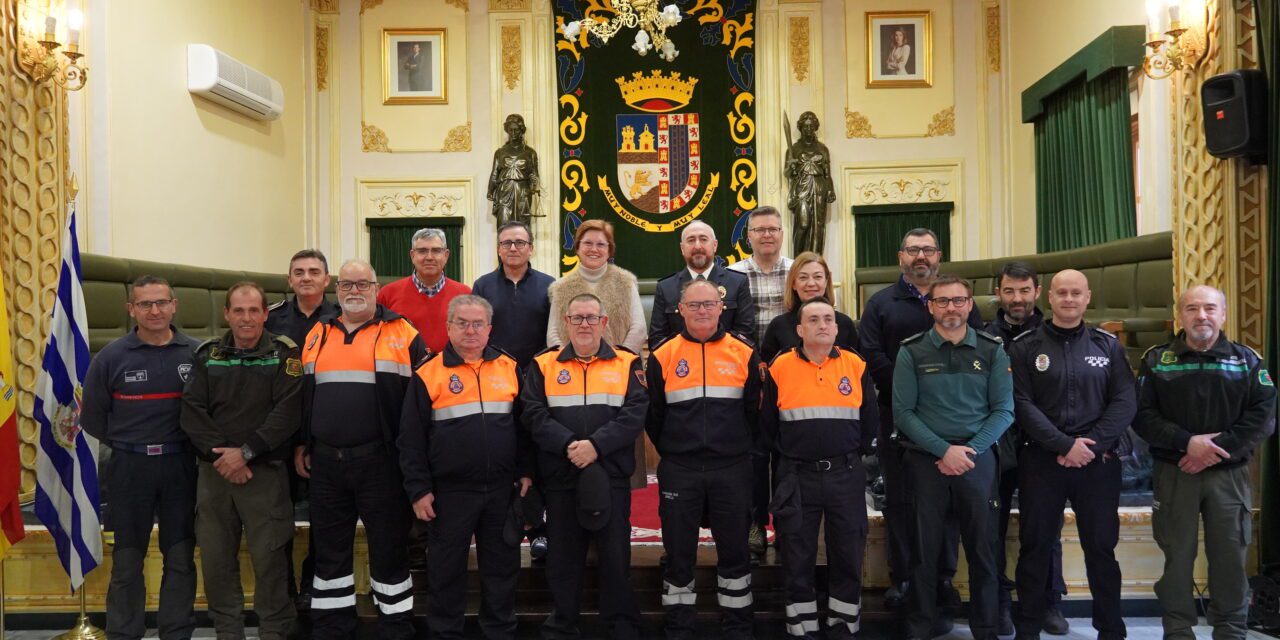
(83, 629)
(2, 627)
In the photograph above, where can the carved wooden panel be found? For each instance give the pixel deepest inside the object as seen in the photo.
(1251, 211)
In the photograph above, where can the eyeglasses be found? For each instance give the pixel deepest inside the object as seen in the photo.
(593, 245)
(694, 305)
(434, 251)
(578, 320)
(956, 301)
(148, 305)
(928, 252)
(358, 285)
(463, 325)
(514, 244)
(766, 231)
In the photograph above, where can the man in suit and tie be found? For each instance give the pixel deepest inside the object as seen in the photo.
(698, 246)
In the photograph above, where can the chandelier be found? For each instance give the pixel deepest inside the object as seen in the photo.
(652, 23)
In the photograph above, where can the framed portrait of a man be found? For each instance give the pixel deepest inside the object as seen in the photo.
(899, 49)
(413, 66)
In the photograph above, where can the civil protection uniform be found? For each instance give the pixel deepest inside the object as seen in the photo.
(461, 441)
(132, 403)
(601, 400)
(1181, 393)
(1008, 447)
(820, 419)
(247, 399)
(354, 384)
(1068, 384)
(953, 394)
(892, 315)
(704, 402)
(738, 315)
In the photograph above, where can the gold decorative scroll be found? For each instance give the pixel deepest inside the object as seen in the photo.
(459, 139)
(511, 55)
(1249, 307)
(415, 203)
(325, 6)
(901, 191)
(373, 139)
(322, 57)
(461, 4)
(856, 125)
(33, 204)
(944, 123)
(993, 38)
(798, 28)
(366, 5)
(509, 5)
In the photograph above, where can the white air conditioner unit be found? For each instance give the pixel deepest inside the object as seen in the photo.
(214, 75)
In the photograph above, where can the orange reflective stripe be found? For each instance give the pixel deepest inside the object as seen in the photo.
(389, 354)
(727, 362)
(806, 390)
(499, 382)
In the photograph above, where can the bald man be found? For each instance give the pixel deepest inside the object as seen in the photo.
(1074, 399)
(698, 246)
(1204, 404)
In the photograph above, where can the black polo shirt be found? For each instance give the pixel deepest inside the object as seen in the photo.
(286, 319)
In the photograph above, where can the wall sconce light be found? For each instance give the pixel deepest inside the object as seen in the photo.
(39, 56)
(1170, 51)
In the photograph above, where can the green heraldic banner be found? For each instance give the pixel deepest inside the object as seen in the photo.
(650, 145)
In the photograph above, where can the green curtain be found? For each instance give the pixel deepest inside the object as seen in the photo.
(389, 243)
(1084, 165)
(1268, 20)
(878, 229)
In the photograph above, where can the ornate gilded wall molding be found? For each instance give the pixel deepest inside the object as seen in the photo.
(322, 57)
(798, 29)
(415, 203)
(509, 5)
(511, 47)
(461, 4)
(325, 6)
(459, 139)
(366, 5)
(856, 125)
(993, 37)
(944, 123)
(373, 139)
(902, 191)
(1251, 211)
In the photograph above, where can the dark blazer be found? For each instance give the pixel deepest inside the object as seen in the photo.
(739, 314)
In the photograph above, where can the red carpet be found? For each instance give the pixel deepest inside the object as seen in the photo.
(646, 527)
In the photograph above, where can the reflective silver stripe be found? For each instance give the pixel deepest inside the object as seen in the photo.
(334, 603)
(351, 375)
(382, 588)
(395, 607)
(734, 602)
(802, 627)
(337, 583)
(470, 409)
(818, 413)
(391, 366)
(736, 584)
(610, 399)
(674, 595)
(309, 367)
(800, 608)
(852, 627)
(693, 393)
(839, 606)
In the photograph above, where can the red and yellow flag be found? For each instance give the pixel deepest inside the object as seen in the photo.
(10, 463)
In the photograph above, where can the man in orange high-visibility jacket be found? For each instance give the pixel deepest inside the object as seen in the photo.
(704, 397)
(584, 404)
(820, 414)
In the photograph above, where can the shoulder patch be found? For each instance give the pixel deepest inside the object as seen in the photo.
(1264, 378)
(1104, 332)
(277, 305)
(1021, 336)
(989, 337)
(211, 342)
(1252, 350)
(745, 340)
(644, 382)
(293, 367)
(914, 338)
(286, 341)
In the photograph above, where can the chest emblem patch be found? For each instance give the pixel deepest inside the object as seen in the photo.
(1168, 357)
(1097, 361)
(564, 377)
(682, 368)
(455, 383)
(1042, 362)
(845, 388)
(184, 372)
(977, 365)
(137, 375)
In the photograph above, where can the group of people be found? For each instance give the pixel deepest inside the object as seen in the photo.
(514, 409)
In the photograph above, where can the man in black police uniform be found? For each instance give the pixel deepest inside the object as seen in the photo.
(132, 403)
(892, 315)
(1017, 287)
(1204, 404)
(1074, 399)
(698, 246)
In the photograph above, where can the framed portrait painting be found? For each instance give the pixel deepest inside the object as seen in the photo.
(899, 49)
(413, 66)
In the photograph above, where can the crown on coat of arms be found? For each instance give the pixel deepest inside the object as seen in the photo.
(656, 93)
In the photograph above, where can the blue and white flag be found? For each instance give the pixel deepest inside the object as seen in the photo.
(67, 461)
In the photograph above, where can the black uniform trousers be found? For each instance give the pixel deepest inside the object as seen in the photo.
(1058, 586)
(724, 495)
(834, 491)
(459, 516)
(1094, 491)
(360, 482)
(145, 489)
(762, 471)
(899, 521)
(972, 499)
(567, 559)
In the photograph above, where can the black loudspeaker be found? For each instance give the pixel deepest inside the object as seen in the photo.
(1235, 114)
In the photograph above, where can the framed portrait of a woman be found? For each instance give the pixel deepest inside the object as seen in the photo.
(899, 49)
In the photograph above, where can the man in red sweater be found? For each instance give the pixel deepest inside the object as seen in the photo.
(424, 296)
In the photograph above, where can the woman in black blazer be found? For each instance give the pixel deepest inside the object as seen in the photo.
(808, 278)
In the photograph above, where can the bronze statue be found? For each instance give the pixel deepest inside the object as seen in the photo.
(808, 170)
(514, 180)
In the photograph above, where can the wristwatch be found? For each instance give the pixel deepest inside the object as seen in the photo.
(247, 453)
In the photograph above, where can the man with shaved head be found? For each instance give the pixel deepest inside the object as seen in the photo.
(1073, 398)
(698, 246)
(1204, 404)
